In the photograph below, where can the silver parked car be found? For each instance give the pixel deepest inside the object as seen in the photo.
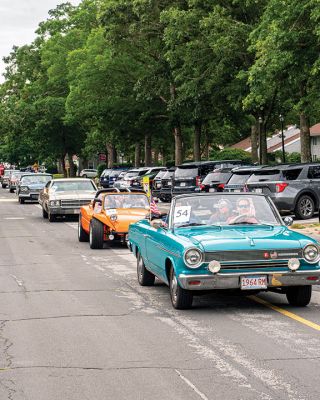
(66, 196)
(88, 173)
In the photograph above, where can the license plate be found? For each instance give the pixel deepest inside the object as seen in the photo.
(169, 183)
(253, 282)
(257, 190)
(212, 190)
(182, 184)
(34, 196)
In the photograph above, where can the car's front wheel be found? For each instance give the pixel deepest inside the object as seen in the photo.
(96, 234)
(11, 190)
(44, 214)
(21, 200)
(145, 277)
(82, 234)
(52, 217)
(305, 207)
(181, 299)
(299, 296)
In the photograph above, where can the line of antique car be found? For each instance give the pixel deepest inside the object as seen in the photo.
(206, 242)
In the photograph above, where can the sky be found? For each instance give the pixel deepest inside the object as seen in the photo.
(18, 21)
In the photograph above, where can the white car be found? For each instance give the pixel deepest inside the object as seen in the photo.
(89, 173)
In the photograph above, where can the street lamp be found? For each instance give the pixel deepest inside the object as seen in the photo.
(282, 139)
(260, 141)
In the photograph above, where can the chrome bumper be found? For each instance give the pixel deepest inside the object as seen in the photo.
(29, 196)
(232, 280)
(64, 211)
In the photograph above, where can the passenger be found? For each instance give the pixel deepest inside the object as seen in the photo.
(223, 212)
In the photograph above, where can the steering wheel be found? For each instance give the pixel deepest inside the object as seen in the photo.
(243, 217)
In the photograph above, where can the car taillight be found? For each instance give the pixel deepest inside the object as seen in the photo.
(198, 181)
(281, 186)
(221, 186)
(202, 186)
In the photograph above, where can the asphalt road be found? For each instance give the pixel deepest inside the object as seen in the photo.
(74, 324)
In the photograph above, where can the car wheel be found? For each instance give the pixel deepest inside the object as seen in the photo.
(299, 296)
(11, 190)
(21, 200)
(4, 186)
(96, 234)
(44, 214)
(84, 176)
(145, 277)
(181, 299)
(82, 234)
(305, 207)
(52, 217)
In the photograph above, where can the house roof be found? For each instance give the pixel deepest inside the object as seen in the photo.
(315, 130)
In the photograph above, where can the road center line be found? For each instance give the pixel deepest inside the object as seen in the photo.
(202, 395)
(288, 314)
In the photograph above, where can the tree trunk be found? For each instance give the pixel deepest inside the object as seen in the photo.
(177, 145)
(147, 150)
(137, 155)
(156, 154)
(196, 141)
(305, 138)
(110, 152)
(254, 143)
(63, 165)
(264, 154)
(72, 168)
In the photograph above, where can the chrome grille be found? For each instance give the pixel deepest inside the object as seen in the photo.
(74, 203)
(253, 255)
(266, 264)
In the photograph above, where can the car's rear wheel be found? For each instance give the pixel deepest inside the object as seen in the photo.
(84, 176)
(52, 217)
(305, 207)
(3, 186)
(299, 296)
(145, 277)
(181, 299)
(96, 234)
(82, 234)
(11, 190)
(44, 214)
(21, 200)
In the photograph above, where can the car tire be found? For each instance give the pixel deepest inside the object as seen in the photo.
(84, 176)
(11, 190)
(96, 234)
(52, 217)
(145, 277)
(305, 207)
(4, 186)
(82, 234)
(21, 200)
(44, 214)
(299, 296)
(181, 299)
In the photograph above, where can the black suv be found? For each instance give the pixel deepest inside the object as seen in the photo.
(292, 187)
(216, 180)
(238, 180)
(188, 177)
(165, 194)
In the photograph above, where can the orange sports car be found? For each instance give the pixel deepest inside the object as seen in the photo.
(108, 216)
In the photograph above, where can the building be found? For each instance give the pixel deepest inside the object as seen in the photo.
(291, 141)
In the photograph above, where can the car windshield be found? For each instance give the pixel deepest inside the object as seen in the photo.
(132, 173)
(34, 179)
(160, 174)
(186, 172)
(217, 177)
(64, 186)
(265, 175)
(126, 201)
(224, 210)
(115, 173)
(239, 178)
(106, 172)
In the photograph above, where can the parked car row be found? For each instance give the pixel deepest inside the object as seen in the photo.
(225, 240)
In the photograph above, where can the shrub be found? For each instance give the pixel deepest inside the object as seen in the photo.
(231, 154)
(100, 168)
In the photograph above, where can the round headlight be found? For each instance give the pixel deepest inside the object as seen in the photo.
(311, 253)
(214, 266)
(193, 258)
(293, 264)
(24, 189)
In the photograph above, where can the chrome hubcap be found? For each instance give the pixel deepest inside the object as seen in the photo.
(140, 268)
(306, 207)
(90, 235)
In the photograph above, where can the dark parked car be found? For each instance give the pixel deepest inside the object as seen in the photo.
(165, 194)
(111, 175)
(294, 187)
(188, 177)
(104, 177)
(156, 184)
(151, 174)
(131, 175)
(216, 180)
(240, 175)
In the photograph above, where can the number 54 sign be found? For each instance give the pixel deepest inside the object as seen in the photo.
(182, 214)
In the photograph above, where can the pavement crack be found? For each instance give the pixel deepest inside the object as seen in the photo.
(69, 316)
(5, 345)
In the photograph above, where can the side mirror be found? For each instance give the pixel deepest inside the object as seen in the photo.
(156, 223)
(288, 221)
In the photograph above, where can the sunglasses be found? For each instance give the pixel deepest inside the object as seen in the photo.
(243, 206)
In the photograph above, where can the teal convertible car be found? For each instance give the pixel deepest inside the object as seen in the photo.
(225, 241)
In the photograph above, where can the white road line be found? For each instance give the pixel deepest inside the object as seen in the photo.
(73, 225)
(193, 387)
(13, 218)
(38, 206)
(8, 200)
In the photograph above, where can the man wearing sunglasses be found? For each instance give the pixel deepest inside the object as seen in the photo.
(245, 211)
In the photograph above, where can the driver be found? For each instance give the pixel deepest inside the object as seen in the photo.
(245, 212)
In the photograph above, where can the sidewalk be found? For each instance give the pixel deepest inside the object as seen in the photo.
(308, 228)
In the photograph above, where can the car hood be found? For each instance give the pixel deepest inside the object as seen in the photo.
(244, 238)
(125, 217)
(73, 194)
(36, 186)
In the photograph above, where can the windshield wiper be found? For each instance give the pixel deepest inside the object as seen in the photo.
(191, 224)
